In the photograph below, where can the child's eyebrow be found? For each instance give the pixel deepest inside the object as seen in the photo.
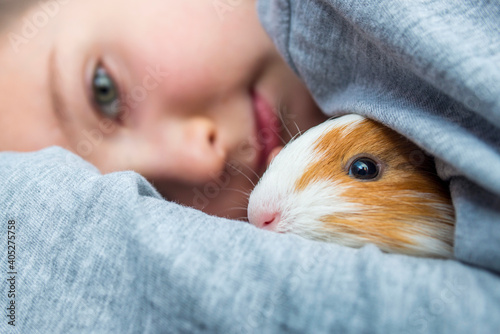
(58, 104)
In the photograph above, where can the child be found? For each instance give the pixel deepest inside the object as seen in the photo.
(182, 92)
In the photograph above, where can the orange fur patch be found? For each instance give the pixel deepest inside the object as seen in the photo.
(408, 200)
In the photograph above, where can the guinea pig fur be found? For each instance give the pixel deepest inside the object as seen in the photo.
(353, 181)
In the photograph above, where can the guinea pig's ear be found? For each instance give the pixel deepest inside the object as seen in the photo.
(365, 167)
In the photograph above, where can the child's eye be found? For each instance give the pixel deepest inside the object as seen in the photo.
(105, 93)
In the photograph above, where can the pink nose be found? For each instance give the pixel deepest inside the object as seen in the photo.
(266, 221)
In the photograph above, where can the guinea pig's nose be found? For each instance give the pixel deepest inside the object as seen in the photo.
(266, 220)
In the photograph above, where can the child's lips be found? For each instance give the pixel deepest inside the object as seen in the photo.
(268, 128)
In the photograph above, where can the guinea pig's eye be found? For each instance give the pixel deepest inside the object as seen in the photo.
(105, 93)
(364, 169)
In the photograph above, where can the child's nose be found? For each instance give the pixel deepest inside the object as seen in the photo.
(204, 154)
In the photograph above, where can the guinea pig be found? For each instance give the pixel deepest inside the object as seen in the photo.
(353, 181)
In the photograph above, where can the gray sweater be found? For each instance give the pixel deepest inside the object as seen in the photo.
(106, 254)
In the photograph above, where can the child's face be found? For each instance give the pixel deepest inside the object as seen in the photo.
(162, 87)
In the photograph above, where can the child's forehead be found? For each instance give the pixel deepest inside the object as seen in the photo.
(169, 21)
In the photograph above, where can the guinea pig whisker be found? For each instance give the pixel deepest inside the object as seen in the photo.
(299, 133)
(298, 130)
(246, 176)
(239, 171)
(280, 115)
(246, 193)
(244, 203)
(236, 208)
(237, 205)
